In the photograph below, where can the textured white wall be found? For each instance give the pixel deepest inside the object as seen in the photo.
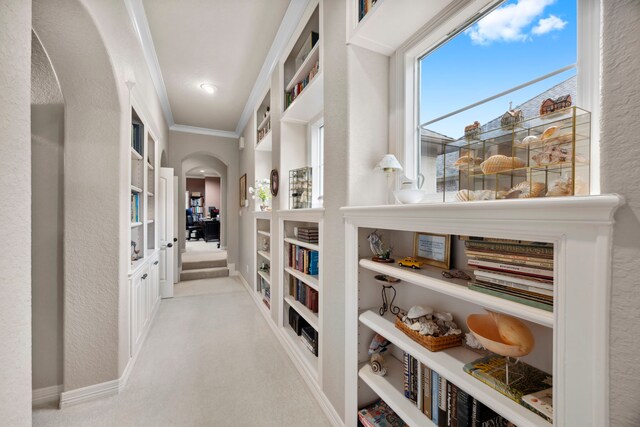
(619, 151)
(15, 187)
(47, 219)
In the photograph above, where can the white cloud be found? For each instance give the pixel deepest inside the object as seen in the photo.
(546, 25)
(508, 23)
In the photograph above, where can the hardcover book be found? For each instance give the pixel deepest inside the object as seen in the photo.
(516, 298)
(442, 402)
(435, 386)
(426, 391)
(523, 378)
(541, 403)
(463, 411)
(380, 415)
(512, 268)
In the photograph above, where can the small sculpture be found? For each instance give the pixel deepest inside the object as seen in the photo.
(381, 254)
(134, 251)
(511, 118)
(378, 366)
(472, 131)
(378, 344)
(549, 105)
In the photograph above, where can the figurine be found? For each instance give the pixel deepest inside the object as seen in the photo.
(377, 365)
(134, 251)
(511, 118)
(381, 254)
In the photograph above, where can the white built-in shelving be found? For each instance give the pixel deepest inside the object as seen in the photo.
(262, 245)
(264, 254)
(571, 342)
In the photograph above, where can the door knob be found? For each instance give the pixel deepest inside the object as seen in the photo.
(175, 239)
(155, 263)
(144, 276)
(169, 245)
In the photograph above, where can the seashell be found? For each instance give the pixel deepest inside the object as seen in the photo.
(453, 332)
(466, 160)
(471, 341)
(416, 326)
(526, 189)
(417, 311)
(548, 132)
(429, 328)
(529, 141)
(378, 344)
(445, 317)
(377, 364)
(483, 195)
(560, 139)
(500, 163)
(501, 334)
(564, 187)
(463, 195)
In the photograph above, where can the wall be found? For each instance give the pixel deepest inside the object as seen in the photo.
(47, 219)
(195, 184)
(619, 149)
(190, 146)
(15, 185)
(212, 191)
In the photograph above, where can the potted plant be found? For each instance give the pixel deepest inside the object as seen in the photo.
(262, 192)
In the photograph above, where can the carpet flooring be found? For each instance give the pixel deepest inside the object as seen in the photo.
(209, 360)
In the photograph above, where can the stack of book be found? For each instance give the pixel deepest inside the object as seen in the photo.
(137, 140)
(135, 207)
(291, 95)
(303, 294)
(516, 270)
(303, 259)
(379, 414)
(527, 385)
(308, 234)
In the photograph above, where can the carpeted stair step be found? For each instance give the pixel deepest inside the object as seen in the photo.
(204, 273)
(199, 265)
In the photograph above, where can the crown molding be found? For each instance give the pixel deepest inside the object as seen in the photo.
(204, 131)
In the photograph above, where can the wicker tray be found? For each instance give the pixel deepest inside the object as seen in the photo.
(429, 342)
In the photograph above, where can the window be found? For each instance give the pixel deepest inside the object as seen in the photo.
(317, 162)
(487, 58)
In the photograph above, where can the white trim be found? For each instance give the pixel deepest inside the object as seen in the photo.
(44, 395)
(204, 131)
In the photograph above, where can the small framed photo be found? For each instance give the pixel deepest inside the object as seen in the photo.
(433, 249)
(243, 189)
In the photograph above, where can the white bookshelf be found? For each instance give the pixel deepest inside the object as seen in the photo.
(571, 343)
(263, 124)
(262, 285)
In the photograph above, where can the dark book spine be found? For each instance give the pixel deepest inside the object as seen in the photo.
(442, 403)
(426, 391)
(405, 360)
(449, 406)
(454, 406)
(463, 409)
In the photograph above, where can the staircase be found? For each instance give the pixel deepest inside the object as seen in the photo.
(202, 267)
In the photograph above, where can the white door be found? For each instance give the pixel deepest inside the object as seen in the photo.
(165, 230)
(176, 269)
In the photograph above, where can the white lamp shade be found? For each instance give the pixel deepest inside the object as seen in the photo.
(389, 163)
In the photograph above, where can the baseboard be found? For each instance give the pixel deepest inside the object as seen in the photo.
(44, 395)
(322, 399)
(108, 388)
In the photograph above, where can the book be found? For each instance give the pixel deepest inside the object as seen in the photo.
(512, 268)
(541, 403)
(536, 293)
(525, 261)
(426, 391)
(511, 285)
(507, 241)
(514, 278)
(483, 416)
(536, 250)
(511, 297)
(442, 402)
(463, 408)
(523, 378)
(435, 385)
(452, 405)
(380, 414)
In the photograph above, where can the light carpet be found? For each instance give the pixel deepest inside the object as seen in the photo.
(209, 360)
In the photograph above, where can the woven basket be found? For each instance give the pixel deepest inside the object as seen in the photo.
(429, 342)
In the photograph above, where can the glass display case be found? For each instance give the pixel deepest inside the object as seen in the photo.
(542, 156)
(300, 185)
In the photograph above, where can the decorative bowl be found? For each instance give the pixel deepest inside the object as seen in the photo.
(408, 196)
(501, 334)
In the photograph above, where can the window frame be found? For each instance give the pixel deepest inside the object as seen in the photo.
(316, 160)
(405, 76)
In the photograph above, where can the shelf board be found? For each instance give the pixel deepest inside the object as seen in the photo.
(303, 71)
(307, 314)
(135, 155)
(449, 363)
(150, 221)
(150, 194)
(308, 104)
(431, 278)
(264, 121)
(308, 358)
(265, 143)
(135, 189)
(135, 224)
(136, 264)
(312, 246)
(312, 281)
(265, 276)
(150, 166)
(264, 233)
(264, 254)
(390, 388)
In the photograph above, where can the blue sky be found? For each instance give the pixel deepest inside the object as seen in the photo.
(517, 42)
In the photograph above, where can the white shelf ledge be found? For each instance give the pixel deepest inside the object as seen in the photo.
(264, 233)
(265, 276)
(150, 221)
(390, 388)
(431, 278)
(303, 71)
(135, 224)
(308, 104)
(309, 360)
(449, 363)
(135, 155)
(310, 280)
(265, 255)
(312, 246)
(265, 143)
(150, 194)
(150, 166)
(303, 311)
(264, 121)
(135, 189)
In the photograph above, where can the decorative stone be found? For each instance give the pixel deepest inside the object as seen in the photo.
(417, 311)
(445, 317)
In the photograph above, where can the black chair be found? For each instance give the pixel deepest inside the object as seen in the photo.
(193, 227)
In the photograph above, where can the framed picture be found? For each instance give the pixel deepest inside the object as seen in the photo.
(274, 183)
(433, 249)
(243, 189)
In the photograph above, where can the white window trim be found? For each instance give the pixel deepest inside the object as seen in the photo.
(404, 77)
(314, 129)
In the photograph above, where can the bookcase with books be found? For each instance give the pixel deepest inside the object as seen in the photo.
(536, 264)
(263, 258)
(197, 205)
(301, 275)
(151, 193)
(263, 124)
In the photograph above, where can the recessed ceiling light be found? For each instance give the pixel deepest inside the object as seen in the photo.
(208, 87)
(201, 171)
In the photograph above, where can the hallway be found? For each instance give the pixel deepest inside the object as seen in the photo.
(195, 369)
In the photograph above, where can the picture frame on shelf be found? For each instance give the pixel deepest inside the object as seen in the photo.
(243, 189)
(433, 249)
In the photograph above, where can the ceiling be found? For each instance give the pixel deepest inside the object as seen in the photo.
(195, 172)
(223, 42)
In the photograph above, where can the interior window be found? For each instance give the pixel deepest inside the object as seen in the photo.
(515, 56)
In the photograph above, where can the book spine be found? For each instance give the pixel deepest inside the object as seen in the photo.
(426, 391)
(515, 288)
(475, 421)
(405, 361)
(516, 261)
(510, 281)
(463, 409)
(454, 406)
(505, 241)
(449, 411)
(530, 303)
(510, 248)
(442, 402)
(511, 268)
(435, 386)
